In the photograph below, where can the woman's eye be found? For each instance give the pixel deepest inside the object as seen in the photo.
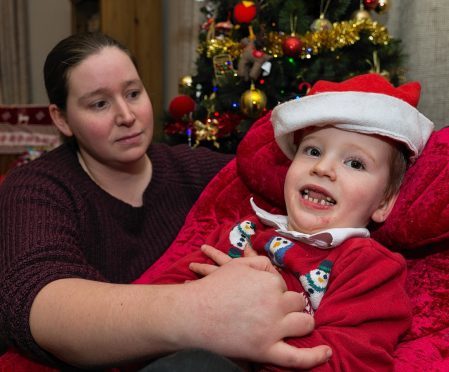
(312, 151)
(99, 105)
(134, 94)
(356, 164)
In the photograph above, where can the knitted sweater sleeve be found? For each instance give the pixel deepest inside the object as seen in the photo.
(39, 244)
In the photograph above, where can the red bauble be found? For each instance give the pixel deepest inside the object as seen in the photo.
(291, 46)
(180, 106)
(245, 11)
(370, 4)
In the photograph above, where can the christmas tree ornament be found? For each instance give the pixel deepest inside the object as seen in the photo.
(321, 24)
(184, 84)
(224, 27)
(206, 131)
(252, 60)
(370, 4)
(382, 6)
(361, 14)
(180, 106)
(244, 11)
(304, 87)
(223, 67)
(253, 102)
(291, 45)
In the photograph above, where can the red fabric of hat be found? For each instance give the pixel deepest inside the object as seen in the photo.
(371, 83)
(367, 104)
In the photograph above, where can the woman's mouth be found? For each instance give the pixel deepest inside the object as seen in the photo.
(317, 197)
(131, 138)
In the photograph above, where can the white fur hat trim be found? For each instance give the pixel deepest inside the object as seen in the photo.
(362, 112)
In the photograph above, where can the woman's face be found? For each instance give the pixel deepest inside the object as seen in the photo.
(108, 109)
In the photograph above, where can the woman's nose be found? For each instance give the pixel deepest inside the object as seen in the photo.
(124, 114)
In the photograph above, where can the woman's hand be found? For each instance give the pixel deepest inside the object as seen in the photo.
(250, 311)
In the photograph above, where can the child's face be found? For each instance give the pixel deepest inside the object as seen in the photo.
(337, 179)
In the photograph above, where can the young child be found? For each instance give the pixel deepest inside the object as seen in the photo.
(350, 144)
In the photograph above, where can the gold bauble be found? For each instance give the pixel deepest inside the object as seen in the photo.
(185, 83)
(361, 14)
(382, 6)
(321, 24)
(253, 102)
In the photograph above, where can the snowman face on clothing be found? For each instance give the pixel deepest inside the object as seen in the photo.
(278, 243)
(320, 278)
(248, 227)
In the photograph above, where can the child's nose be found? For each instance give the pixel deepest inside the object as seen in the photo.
(324, 168)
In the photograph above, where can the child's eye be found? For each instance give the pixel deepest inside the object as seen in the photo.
(356, 164)
(312, 151)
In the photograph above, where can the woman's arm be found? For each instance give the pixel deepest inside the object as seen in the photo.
(239, 310)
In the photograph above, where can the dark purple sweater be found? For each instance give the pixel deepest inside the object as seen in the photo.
(55, 222)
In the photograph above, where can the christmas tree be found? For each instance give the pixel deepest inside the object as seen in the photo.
(253, 55)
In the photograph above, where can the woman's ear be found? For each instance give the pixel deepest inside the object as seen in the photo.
(384, 209)
(60, 120)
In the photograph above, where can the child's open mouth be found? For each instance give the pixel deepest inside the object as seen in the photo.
(317, 197)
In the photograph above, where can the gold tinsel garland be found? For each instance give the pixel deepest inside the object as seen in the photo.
(216, 46)
(342, 34)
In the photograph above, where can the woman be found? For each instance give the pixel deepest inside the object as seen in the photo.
(80, 222)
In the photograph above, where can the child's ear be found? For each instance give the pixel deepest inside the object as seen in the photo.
(60, 120)
(384, 209)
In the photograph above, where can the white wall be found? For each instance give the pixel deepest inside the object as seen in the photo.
(49, 22)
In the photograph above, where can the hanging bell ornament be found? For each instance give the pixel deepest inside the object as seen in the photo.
(321, 24)
(253, 102)
(382, 6)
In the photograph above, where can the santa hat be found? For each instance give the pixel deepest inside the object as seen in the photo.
(367, 104)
